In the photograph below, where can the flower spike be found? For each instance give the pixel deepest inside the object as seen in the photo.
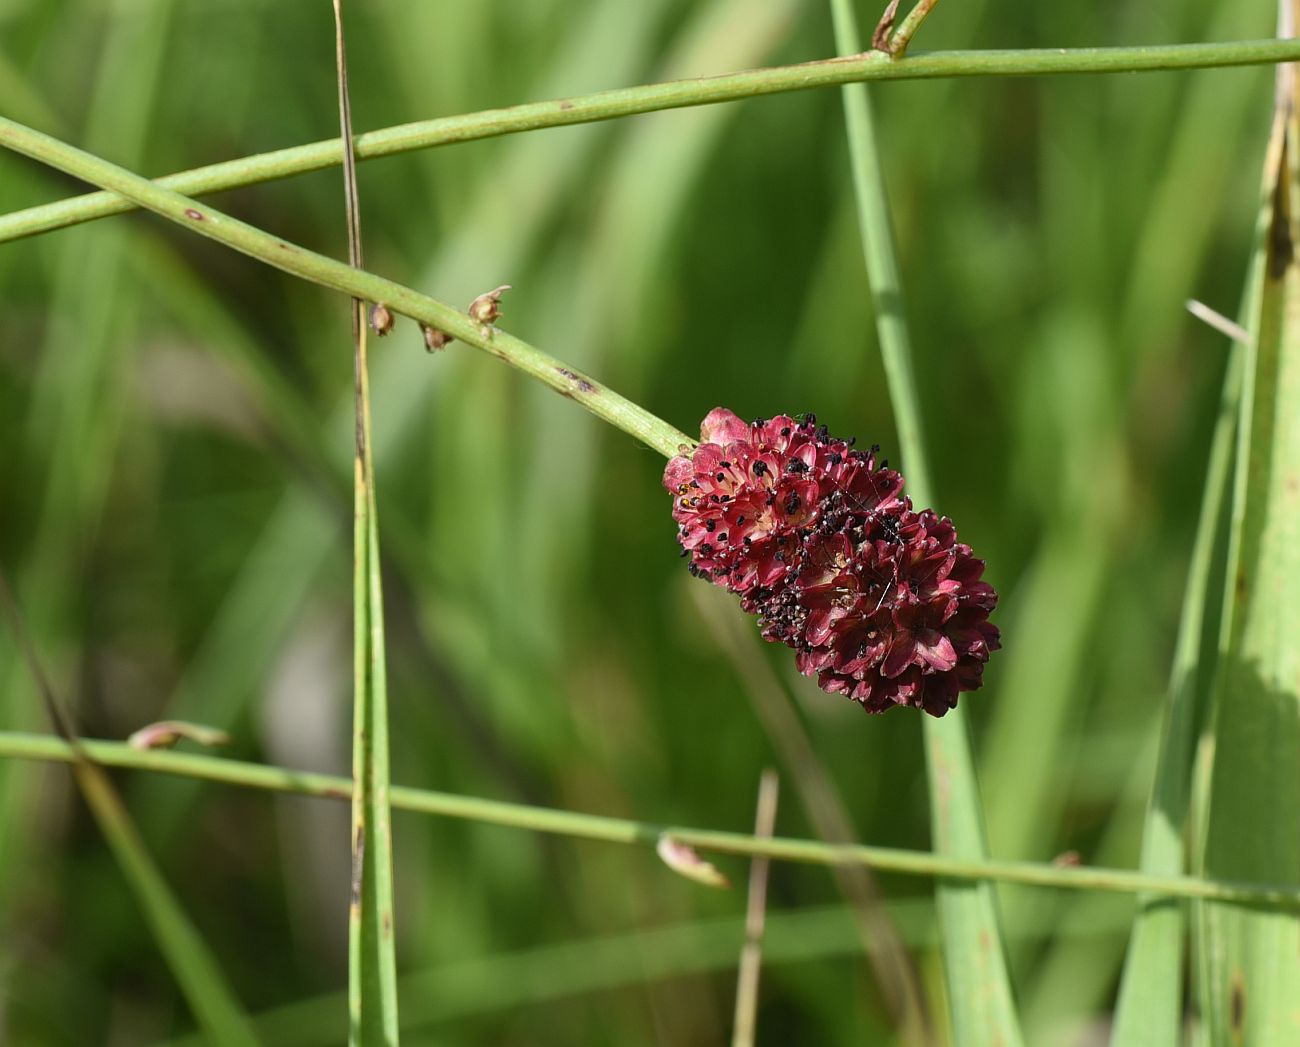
(881, 603)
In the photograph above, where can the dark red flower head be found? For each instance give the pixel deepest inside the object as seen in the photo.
(881, 603)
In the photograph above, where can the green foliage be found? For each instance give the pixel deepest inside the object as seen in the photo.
(1250, 959)
(178, 424)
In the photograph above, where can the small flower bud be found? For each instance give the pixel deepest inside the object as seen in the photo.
(434, 338)
(167, 733)
(381, 320)
(486, 309)
(681, 858)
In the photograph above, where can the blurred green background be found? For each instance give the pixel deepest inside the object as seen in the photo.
(175, 505)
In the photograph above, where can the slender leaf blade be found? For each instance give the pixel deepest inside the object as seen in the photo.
(1149, 1011)
(215, 1007)
(1250, 958)
(372, 962)
(218, 1013)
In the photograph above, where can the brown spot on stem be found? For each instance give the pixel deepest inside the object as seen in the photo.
(358, 864)
(335, 792)
(566, 104)
(577, 381)
(1281, 250)
(192, 213)
(1237, 1007)
(388, 925)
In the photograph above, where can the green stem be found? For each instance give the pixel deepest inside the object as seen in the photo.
(649, 98)
(902, 36)
(602, 402)
(372, 957)
(981, 1001)
(876, 231)
(622, 830)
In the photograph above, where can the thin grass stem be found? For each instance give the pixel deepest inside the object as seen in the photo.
(902, 36)
(650, 98)
(620, 412)
(578, 825)
(751, 953)
(372, 958)
(980, 996)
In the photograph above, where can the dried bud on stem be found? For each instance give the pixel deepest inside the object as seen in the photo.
(435, 338)
(381, 320)
(486, 309)
(166, 733)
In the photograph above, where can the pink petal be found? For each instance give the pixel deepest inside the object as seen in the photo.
(819, 625)
(679, 471)
(936, 651)
(900, 654)
(723, 427)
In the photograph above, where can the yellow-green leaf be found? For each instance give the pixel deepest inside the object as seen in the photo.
(1250, 958)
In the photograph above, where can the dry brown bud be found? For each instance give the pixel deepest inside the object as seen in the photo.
(381, 320)
(486, 308)
(434, 338)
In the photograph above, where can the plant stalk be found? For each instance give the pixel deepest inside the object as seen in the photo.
(623, 830)
(603, 402)
(372, 962)
(650, 98)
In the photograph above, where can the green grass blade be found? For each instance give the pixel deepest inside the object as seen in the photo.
(214, 1005)
(372, 964)
(79, 419)
(504, 982)
(372, 960)
(18, 96)
(980, 997)
(1149, 1010)
(1250, 958)
(200, 979)
(295, 546)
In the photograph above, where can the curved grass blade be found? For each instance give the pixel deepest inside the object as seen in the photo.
(1249, 959)
(980, 997)
(1149, 1010)
(215, 1007)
